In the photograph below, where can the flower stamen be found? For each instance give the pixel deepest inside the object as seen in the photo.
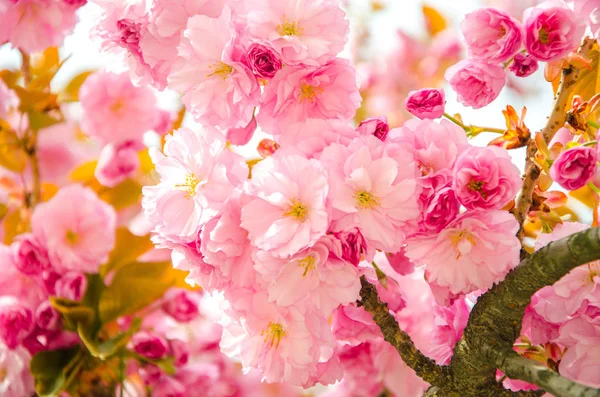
(71, 237)
(273, 334)
(308, 93)
(457, 237)
(544, 36)
(289, 28)
(297, 210)
(189, 186)
(221, 69)
(307, 263)
(366, 200)
(477, 186)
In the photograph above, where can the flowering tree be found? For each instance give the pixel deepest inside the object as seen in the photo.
(381, 261)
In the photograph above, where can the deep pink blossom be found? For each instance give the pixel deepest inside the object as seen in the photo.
(290, 215)
(180, 352)
(440, 210)
(198, 174)
(263, 61)
(77, 237)
(149, 345)
(308, 34)
(117, 163)
(16, 321)
(426, 103)
(371, 190)
(31, 257)
(181, 304)
(575, 167)
(71, 286)
(114, 110)
(523, 65)
(354, 246)
(476, 83)
(552, 30)
(485, 178)
(491, 34)
(218, 89)
(473, 252)
(47, 317)
(296, 94)
(377, 126)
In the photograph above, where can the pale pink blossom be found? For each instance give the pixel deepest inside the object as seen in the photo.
(377, 126)
(16, 321)
(591, 10)
(426, 103)
(523, 65)
(476, 83)
(167, 20)
(491, 34)
(552, 30)
(476, 250)
(218, 89)
(574, 167)
(59, 151)
(114, 110)
(371, 190)
(31, 257)
(149, 345)
(181, 304)
(317, 274)
(117, 163)
(297, 94)
(535, 327)
(581, 364)
(289, 215)
(34, 25)
(77, 237)
(308, 33)
(71, 286)
(284, 344)
(198, 174)
(17, 380)
(311, 136)
(485, 178)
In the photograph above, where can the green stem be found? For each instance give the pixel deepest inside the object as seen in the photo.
(473, 130)
(593, 124)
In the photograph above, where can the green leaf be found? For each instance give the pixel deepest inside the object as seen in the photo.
(381, 276)
(127, 249)
(73, 312)
(102, 349)
(135, 286)
(39, 120)
(50, 369)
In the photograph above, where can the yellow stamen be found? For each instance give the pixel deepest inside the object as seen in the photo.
(308, 92)
(190, 184)
(544, 36)
(366, 200)
(457, 237)
(501, 32)
(118, 106)
(297, 210)
(289, 28)
(477, 186)
(3, 373)
(425, 169)
(220, 69)
(71, 237)
(273, 334)
(307, 263)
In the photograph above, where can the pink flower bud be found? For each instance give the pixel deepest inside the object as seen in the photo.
(574, 167)
(426, 103)
(263, 61)
(267, 147)
(552, 30)
(477, 84)
(49, 279)
(181, 304)
(31, 257)
(16, 321)
(179, 351)
(523, 65)
(47, 317)
(491, 35)
(149, 345)
(117, 163)
(71, 286)
(354, 246)
(377, 126)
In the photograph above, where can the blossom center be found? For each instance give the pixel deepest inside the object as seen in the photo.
(308, 92)
(458, 237)
(189, 185)
(289, 28)
(71, 237)
(273, 334)
(297, 210)
(221, 69)
(3, 373)
(544, 36)
(477, 186)
(424, 169)
(307, 263)
(118, 106)
(366, 200)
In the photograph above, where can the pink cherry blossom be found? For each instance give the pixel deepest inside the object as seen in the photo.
(377, 126)
(31, 257)
(71, 286)
(440, 210)
(168, 19)
(311, 136)
(290, 215)
(485, 178)
(354, 325)
(285, 344)
(47, 317)
(181, 304)
(117, 163)
(198, 174)
(16, 284)
(523, 65)
(591, 10)
(574, 167)
(218, 89)
(34, 25)
(14, 365)
(317, 274)
(59, 151)
(426, 103)
(552, 30)
(241, 136)
(580, 363)
(76, 237)
(296, 94)
(308, 34)
(371, 190)
(180, 352)
(473, 252)
(16, 321)
(149, 345)
(477, 84)
(535, 327)
(114, 110)
(361, 377)
(491, 34)
(263, 61)
(354, 246)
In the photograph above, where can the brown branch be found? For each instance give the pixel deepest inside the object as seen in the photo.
(424, 367)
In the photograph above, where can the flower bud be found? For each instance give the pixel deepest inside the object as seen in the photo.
(31, 257)
(149, 345)
(426, 103)
(47, 317)
(263, 61)
(377, 126)
(523, 65)
(16, 321)
(71, 286)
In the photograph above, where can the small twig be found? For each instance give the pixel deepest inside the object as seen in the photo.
(473, 130)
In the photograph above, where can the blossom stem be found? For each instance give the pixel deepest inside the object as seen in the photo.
(473, 130)
(593, 187)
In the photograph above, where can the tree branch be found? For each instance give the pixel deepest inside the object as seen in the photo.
(424, 367)
(517, 367)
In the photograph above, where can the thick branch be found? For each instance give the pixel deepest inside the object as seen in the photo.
(424, 367)
(517, 367)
